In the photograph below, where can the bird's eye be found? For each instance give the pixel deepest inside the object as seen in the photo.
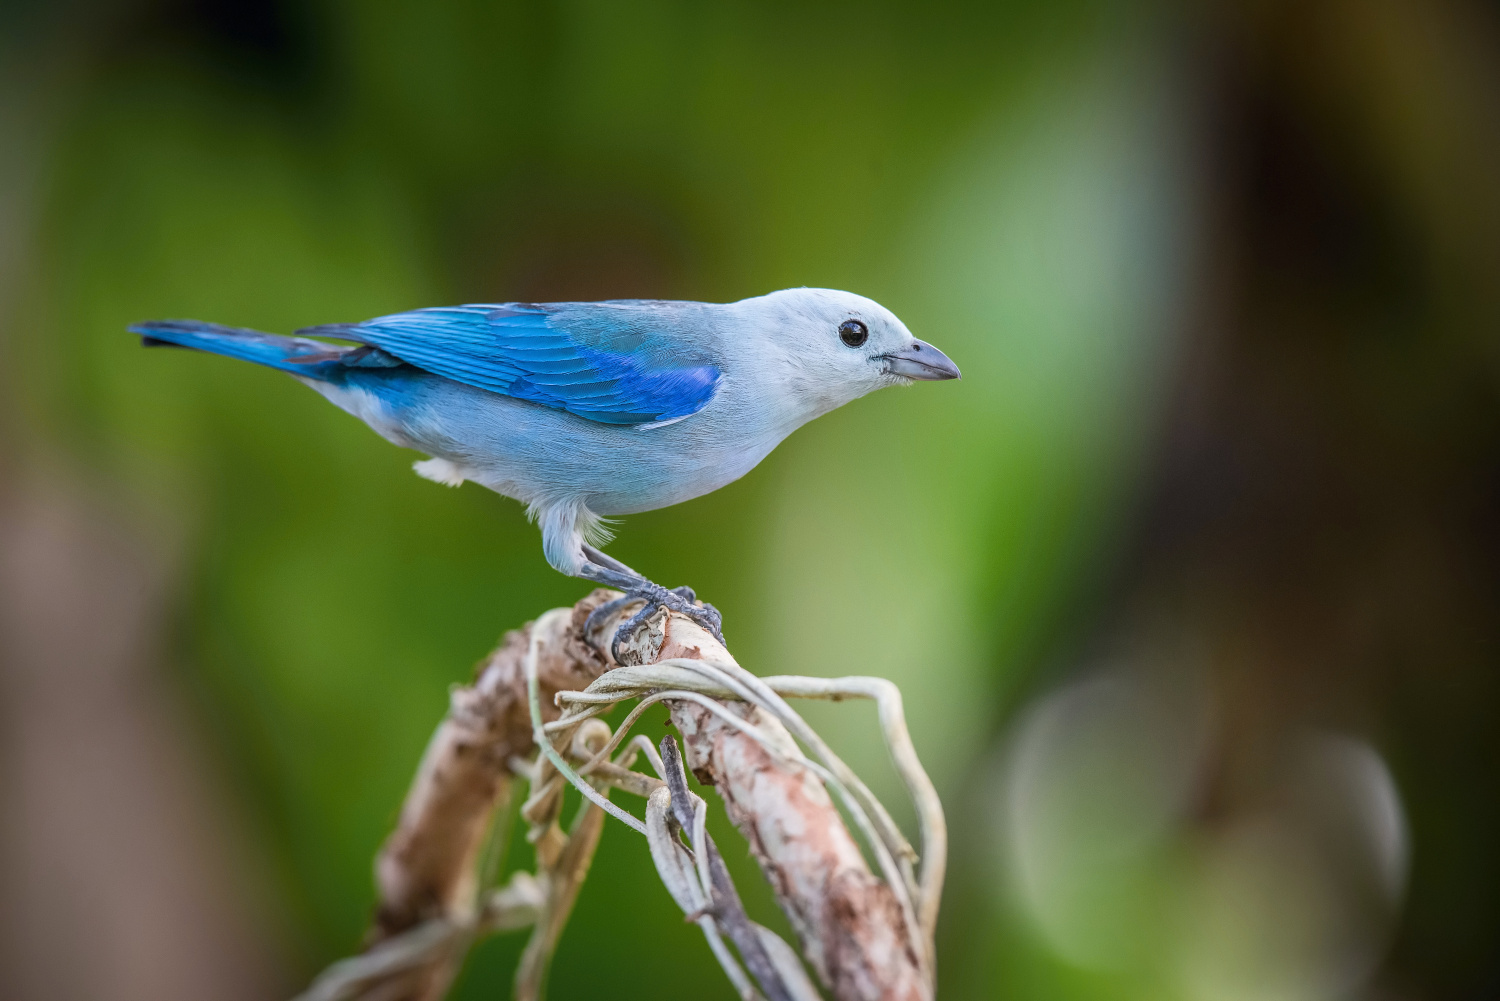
(853, 333)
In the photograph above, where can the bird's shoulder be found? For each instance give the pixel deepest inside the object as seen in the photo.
(681, 330)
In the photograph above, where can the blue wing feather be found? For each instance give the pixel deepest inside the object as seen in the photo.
(600, 361)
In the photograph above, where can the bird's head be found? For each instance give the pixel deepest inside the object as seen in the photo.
(832, 347)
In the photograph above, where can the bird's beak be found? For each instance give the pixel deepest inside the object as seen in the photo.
(920, 361)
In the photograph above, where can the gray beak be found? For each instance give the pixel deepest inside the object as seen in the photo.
(920, 361)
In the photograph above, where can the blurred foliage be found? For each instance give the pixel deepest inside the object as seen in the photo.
(1019, 182)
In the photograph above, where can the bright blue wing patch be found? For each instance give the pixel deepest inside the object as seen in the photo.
(614, 363)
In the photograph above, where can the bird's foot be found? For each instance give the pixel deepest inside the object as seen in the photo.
(598, 616)
(704, 614)
(680, 599)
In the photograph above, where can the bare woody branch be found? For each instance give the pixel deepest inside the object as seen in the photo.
(851, 928)
(853, 931)
(426, 870)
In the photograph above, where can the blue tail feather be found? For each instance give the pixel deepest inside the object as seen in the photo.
(297, 355)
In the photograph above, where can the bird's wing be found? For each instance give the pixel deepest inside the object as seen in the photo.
(625, 362)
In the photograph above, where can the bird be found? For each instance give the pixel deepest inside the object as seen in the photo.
(588, 411)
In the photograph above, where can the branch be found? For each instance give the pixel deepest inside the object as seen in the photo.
(852, 929)
(427, 868)
(866, 937)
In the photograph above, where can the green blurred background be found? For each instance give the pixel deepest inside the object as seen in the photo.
(1191, 583)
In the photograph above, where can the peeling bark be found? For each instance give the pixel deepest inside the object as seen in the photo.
(427, 867)
(848, 921)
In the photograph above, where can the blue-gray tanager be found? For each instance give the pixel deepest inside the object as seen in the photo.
(586, 410)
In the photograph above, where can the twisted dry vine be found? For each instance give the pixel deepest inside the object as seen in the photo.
(533, 711)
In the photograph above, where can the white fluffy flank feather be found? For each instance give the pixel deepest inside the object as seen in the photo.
(440, 471)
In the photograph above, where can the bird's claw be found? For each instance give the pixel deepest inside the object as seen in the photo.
(705, 614)
(682, 600)
(708, 617)
(598, 616)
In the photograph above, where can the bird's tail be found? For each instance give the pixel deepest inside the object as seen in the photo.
(298, 355)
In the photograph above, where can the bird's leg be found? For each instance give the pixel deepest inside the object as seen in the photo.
(612, 573)
(603, 559)
(600, 558)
